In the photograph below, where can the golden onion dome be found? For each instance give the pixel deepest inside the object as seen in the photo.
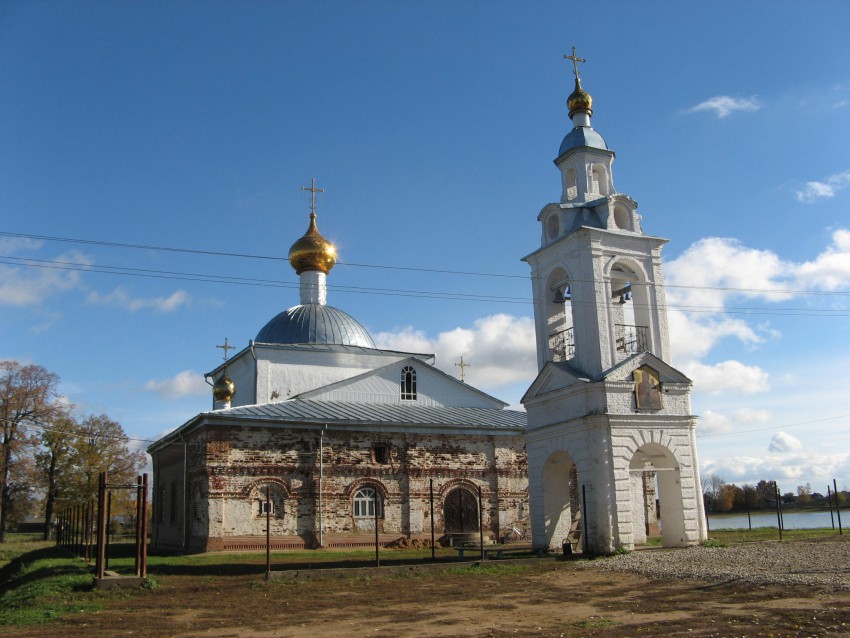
(224, 388)
(312, 251)
(580, 100)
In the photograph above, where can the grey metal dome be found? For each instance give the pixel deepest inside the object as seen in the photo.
(315, 323)
(582, 136)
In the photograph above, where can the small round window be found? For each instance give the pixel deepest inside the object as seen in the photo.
(622, 218)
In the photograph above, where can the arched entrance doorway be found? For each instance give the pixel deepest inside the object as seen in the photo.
(656, 489)
(460, 511)
(561, 509)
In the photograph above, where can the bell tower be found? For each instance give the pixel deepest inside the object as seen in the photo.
(598, 292)
(607, 411)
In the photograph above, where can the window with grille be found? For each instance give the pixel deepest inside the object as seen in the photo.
(408, 383)
(364, 503)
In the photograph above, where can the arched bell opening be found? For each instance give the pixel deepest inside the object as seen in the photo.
(657, 503)
(559, 316)
(561, 505)
(629, 310)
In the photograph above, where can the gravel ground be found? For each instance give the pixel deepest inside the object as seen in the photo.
(825, 564)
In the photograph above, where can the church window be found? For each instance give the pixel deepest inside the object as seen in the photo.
(408, 383)
(268, 499)
(364, 503)
(622, 218)
(381, 454)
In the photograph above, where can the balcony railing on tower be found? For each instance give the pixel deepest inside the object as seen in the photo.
(561, 345)
(631, 339)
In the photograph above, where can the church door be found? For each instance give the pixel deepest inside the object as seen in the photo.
(460, 512)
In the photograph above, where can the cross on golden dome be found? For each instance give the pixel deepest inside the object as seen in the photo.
(226, 347)
(575, 60)
(313, 190)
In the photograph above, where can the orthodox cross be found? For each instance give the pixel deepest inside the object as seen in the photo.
(575, 60)
(313, 190)
(462, 365)
(226, 347)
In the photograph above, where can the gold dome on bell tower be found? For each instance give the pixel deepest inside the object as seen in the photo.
(312, 251)
(580, 100)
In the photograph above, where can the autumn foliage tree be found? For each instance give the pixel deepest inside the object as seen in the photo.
(27, 394)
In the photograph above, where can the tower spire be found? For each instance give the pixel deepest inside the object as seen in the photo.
(580, 103)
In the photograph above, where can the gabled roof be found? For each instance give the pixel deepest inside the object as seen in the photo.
(343, 413)
(410, 360)
(322, 348)
(559, 375)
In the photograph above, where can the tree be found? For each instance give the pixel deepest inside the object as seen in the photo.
(52, 462)
(26, 394)
(712, 485)
(804, 493)
(766, 491)
(100, 445)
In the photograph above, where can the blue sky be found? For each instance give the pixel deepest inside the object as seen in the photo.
(432, 127)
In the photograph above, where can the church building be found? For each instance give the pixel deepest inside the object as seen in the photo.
(610, 439)
(327, 435)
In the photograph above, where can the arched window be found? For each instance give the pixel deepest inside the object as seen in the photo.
(364, 503)
(599, 180)
(570, 186)
(268, 499)
(408, 383)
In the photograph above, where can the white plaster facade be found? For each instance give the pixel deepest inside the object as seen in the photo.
(597, 436)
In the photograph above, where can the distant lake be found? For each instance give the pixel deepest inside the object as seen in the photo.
(791, 520)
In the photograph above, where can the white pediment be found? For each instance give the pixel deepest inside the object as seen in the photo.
(623, 371)
(383, 385)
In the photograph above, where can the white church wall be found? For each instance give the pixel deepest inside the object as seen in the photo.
(286, 372)
(432, 389)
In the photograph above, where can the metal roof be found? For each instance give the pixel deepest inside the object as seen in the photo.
(582, 136)
(344, 412)
(315, 323)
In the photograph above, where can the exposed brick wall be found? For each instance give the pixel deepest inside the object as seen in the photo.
(229, 469)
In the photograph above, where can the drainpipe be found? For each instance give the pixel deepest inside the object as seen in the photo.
(321, 479)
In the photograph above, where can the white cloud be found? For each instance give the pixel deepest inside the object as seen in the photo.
(713, 423)
(500, 349)
(749, 416)
(790, 469)
(713, 272)
(831, 269)
(724, 105)
(121, 298)
(727, 376)
(183, 384)
(12, 245)
(22, 285)
(813, 191)
(784, 442)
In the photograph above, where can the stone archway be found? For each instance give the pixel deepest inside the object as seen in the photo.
(460, 511)
(654, 463)
(561, 509)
